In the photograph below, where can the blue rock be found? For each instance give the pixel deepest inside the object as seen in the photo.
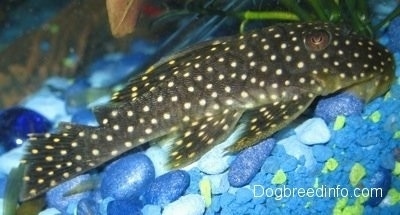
(249, 162)
(192, 204)
(75, 96)
(167, 188)
(125, 207)
(16, 123)
(394, 37)
(381, 179)
(322, 153)
(56, 197)
(341, 104)
(313, 131)
(84, 117)
(87, 206)
(127, 177)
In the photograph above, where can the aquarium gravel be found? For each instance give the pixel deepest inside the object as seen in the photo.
(345, 146)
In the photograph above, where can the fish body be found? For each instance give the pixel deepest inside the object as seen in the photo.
(262, 79)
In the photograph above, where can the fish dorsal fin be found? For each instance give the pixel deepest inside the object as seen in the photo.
(145, 81)
(264, 121)
(200, 136)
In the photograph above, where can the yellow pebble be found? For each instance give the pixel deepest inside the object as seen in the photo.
(339, 122)
(205, 190)
(279, 177)
(396, 135)
(357, 173)
(330, 165)
(375, 116)
(396, 170)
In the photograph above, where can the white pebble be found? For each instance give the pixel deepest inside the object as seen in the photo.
(159, 157)
(214, 161)
(297, 149)
(313, 131)
(191, 204)
(219, 183)
(47, 104)
(50, 211)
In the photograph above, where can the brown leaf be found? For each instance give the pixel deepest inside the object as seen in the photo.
(122, 16)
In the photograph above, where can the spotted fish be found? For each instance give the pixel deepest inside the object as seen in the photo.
(262, 79)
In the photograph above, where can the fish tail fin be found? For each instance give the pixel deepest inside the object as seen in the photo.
(51, 159)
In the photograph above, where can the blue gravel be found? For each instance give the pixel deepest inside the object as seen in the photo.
(341, 104)
(322, 153)
(166, 188)
(127, 177)
(248, 163)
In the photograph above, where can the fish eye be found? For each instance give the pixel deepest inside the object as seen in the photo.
(317, 39)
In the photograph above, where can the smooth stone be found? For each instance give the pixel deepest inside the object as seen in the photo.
(341, 104)
(313, 131)
(216, 161)
(380, 179)
(249, 162)
(16, 123)
(56, 198)
(125, 207)
(191, 204)
(42, 100)
(159, 158)
(167, 188)
(127, 177)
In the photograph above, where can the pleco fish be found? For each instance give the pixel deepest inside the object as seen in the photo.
(262, 79)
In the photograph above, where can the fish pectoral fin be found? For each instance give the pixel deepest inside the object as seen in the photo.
(264, 121)
(200, 136)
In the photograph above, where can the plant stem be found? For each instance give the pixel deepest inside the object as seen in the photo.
(269, 15)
